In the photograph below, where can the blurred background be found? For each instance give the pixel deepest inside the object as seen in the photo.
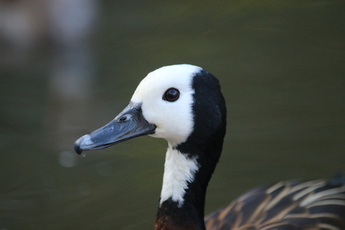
(68, 67)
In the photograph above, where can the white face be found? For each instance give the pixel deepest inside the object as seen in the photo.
(174, 120)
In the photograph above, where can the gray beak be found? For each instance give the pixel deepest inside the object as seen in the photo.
(130, 123)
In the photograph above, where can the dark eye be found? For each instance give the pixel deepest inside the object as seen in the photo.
(171, 95)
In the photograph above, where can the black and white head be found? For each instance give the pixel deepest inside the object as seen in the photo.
(184, 105)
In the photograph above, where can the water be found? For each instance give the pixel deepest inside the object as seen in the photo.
(281, 66)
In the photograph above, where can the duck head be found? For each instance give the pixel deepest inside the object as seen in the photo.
(171, 102)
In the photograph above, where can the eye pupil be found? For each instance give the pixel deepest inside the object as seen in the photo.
(171, 95)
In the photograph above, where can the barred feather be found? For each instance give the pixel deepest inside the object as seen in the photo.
(285, 206)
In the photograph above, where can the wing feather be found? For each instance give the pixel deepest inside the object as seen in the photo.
(287, 205)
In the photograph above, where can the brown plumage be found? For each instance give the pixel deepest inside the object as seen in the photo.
(285, 206)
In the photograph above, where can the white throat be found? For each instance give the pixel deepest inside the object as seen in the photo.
(178, 171)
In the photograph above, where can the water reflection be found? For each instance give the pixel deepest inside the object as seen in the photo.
(281, 69)
(56, 37)
(67, 159)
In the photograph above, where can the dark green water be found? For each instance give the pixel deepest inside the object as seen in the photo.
(281, 66)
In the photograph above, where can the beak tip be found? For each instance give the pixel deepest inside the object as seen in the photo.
(80, 142)
(77, 148)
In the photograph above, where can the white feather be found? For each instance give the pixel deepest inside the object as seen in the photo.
(178, 171)
(174, 120)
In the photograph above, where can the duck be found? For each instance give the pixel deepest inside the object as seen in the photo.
(184, 105)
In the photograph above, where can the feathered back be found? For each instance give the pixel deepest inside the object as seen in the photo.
(286, 206)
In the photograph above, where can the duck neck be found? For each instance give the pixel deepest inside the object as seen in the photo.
(187, 172)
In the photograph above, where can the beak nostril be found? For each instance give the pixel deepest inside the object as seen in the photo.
(124, 118)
